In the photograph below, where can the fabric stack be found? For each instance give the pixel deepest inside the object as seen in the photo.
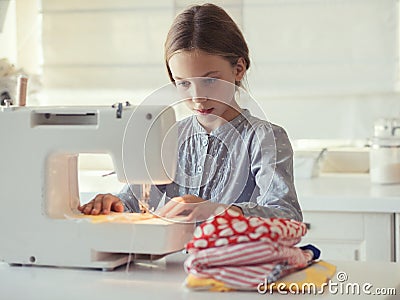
(234, 252)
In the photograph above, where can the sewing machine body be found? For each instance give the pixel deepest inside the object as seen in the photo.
(39, 183)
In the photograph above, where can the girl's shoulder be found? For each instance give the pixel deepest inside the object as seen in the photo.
(260, 126)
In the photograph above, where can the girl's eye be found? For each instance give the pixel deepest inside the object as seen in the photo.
(210, 80)
(183, 83)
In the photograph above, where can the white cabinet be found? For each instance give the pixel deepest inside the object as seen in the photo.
(352, 236)
(350, 218)
(397, 237)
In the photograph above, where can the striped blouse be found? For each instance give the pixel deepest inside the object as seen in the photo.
(247, 162)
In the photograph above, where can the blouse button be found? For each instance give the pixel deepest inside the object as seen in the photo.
(205, 142)
(199, 169)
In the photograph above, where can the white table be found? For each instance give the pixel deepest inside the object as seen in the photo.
(164, 280)
(347, 193)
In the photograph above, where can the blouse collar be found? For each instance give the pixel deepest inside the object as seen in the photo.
(234, 123)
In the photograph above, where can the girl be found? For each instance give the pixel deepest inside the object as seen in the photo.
(227, 157)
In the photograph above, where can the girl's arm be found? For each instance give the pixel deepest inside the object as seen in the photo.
(273, 176)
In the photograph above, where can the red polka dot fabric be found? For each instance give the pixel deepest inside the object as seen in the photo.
(230, 228)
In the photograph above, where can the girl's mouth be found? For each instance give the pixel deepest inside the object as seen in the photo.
(205, 111)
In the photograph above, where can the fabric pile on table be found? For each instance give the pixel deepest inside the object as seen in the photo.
(234, 252)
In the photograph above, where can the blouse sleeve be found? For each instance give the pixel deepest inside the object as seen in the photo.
(127, 196)
(272, 167)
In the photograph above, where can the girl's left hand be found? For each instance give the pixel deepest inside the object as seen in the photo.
(194, 208)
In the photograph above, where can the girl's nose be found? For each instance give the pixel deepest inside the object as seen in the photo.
(197, 92)
(197, 99)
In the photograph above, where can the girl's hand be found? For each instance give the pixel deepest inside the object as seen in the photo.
(102, 204)
(194, 208)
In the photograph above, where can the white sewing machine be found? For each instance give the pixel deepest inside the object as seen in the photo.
(39, 193)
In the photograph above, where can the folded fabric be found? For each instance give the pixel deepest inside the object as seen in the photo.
(245, 265)
(232, 228)
(312, 277)
(232, 251)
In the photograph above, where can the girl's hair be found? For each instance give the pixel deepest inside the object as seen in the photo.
(210, 29)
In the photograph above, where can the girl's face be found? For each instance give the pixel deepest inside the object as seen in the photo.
(207, 82)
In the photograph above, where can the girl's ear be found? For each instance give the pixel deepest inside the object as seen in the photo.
(240, 69)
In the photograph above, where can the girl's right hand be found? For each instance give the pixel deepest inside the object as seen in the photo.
(102, 204)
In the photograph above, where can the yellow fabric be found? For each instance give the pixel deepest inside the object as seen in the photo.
(197, 283)
(317, 274)
(114, 217)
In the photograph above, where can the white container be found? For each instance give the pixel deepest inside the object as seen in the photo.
(385, 160)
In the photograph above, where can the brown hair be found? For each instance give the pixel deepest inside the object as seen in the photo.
(208, 28)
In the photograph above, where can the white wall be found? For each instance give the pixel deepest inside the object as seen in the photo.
(325, 68)
(322, 69)
(8, 37)
(29, 56)
(342, 117)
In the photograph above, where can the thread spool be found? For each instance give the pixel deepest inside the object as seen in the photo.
(21, 90)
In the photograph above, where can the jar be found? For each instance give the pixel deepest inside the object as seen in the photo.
(385, 160)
